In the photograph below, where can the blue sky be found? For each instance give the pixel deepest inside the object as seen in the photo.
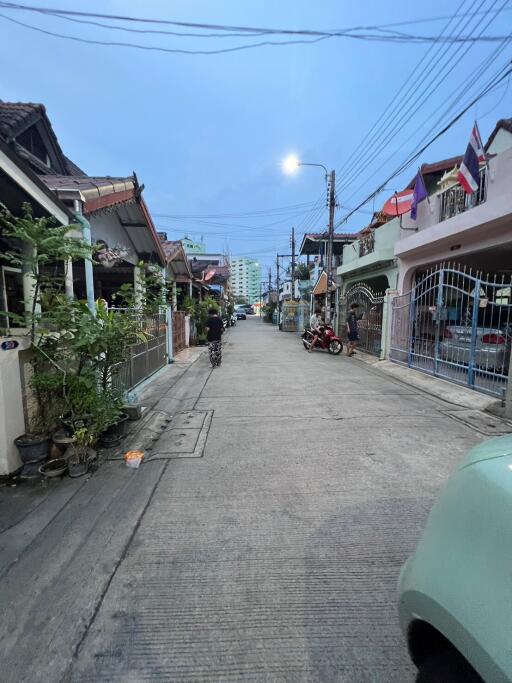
(206, 134)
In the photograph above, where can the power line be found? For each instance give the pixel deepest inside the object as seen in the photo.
(320, 36)
(417, 154)
(396, 123)
(205, 26)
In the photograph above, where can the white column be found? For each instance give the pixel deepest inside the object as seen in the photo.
(29, 281)
(138, 287)
(387, 317)
(68, 283)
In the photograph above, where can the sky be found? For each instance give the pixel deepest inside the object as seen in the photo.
(206, 134)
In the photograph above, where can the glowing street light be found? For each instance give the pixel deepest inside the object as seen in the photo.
(291, 164)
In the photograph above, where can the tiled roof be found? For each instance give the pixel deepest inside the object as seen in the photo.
(102, 185)
(72, 168)
(15, 116)
(336, 235)
(171, 248)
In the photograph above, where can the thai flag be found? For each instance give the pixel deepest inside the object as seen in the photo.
(468, 175)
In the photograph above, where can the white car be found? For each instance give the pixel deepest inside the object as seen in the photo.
(490, 352)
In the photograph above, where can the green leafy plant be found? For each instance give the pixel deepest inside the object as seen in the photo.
(40, 244)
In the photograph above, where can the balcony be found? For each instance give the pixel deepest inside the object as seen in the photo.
(367, 244)
(454, 200)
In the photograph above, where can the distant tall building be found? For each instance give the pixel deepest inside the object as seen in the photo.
(192, 247)
(246, 278)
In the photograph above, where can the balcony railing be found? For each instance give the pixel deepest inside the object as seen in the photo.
(455, 200)
(367, 244)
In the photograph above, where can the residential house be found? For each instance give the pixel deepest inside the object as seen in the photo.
(19, 183)
(112, 215)
(472, 230)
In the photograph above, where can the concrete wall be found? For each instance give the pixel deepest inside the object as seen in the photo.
(380, 262)
(485, 226)
(12, 420)
(501, 142)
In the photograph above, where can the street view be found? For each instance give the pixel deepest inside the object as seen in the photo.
(255, 342)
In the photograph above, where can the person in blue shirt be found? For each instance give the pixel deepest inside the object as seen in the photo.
(352, 332)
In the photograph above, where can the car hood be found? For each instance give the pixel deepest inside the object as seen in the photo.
(498, 447)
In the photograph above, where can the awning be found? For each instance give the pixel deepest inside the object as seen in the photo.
(321, 285)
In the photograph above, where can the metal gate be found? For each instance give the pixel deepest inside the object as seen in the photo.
(178, 331)
(371, 305)
(145, 357)
(457, 325)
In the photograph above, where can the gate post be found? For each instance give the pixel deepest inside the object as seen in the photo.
(474, 324)
(387, 319)
(508, 395)
(439, 308)
(169, 331)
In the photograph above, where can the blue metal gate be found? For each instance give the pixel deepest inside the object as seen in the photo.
(457, 325)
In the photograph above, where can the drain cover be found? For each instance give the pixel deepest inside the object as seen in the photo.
(185, 437)
(487, 424)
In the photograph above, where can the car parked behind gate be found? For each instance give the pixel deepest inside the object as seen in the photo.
(455, 591)
(491, 350)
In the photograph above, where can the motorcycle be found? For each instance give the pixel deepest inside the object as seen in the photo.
(328, 340)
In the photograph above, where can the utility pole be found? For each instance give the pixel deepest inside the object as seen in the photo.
(269, 283)
(278, 293)
(292, 244)
(330, 279)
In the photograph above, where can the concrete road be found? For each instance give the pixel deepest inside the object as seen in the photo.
(273, 557)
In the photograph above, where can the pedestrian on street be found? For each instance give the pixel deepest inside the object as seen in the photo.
(316, 326)
(214, 329)
(352, 331)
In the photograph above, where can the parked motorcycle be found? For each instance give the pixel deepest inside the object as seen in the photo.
(328, 340)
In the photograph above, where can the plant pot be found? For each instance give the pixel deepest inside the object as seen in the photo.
(113, 434)
(33, 447)
(54, 468)
(77, 469)
(133, 410)
(63, 440)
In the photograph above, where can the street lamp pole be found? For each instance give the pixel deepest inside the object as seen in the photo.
(293, 163)
(330, 279)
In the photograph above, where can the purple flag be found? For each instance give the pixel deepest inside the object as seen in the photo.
(419, 194)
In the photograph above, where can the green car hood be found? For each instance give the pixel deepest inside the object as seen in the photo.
(498, 447)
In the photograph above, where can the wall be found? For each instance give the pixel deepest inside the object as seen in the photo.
(501, 142)
(379, 262)
(12, 421)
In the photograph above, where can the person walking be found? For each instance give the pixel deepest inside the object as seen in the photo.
(352, 330)
(214, 330)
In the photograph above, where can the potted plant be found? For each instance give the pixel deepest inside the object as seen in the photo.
(81, 453)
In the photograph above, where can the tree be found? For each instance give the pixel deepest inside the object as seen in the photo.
(241, 300)
(302, 272)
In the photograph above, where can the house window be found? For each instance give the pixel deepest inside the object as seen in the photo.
(32, 140)
(11, 282)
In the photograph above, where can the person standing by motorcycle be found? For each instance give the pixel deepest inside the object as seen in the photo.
(352, 331)
(316, 324)
(214, 329)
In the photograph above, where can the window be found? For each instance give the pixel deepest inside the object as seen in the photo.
(11, 283)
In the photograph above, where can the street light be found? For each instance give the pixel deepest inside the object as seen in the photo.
(291, 165)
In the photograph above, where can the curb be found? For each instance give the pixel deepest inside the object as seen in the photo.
(435, 386)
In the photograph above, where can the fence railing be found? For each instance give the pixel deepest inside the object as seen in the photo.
(455, 200)
(143, 358)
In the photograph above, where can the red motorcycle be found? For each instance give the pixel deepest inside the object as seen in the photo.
(327, 340)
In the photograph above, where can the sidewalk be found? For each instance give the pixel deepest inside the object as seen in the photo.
(450, 392)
